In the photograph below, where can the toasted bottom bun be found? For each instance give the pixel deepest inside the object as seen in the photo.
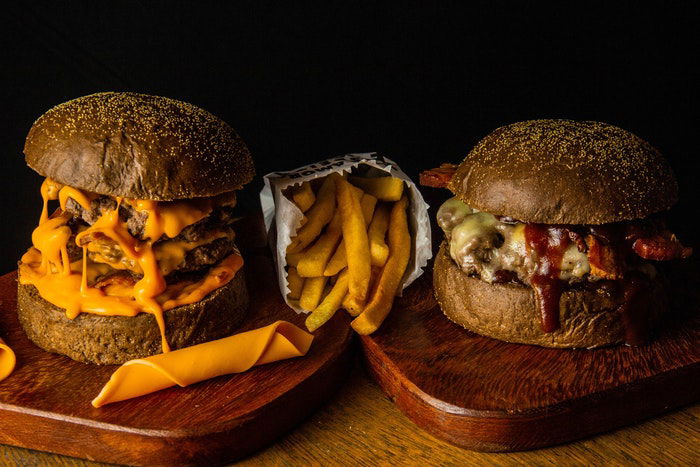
(117, 339)
(588, 318)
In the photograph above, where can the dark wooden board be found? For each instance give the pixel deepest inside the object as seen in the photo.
(488, 395)
(45, 403)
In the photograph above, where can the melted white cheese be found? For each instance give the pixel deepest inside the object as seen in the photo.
(481, 244)
(452, 213)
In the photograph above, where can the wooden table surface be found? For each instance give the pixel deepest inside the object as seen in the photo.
(360, 425)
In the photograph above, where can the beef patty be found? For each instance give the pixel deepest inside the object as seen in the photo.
(103, 249)
(220, 217)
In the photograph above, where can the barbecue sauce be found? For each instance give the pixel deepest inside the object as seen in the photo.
(635, 308)
(615, 254)
(634, 286)
(549, 244)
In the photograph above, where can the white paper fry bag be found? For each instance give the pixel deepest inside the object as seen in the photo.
(283, 217)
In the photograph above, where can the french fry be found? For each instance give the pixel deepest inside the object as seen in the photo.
(294, 258)
(383, 188)
(311, 292)
(357, 191)
(378, 249)
(352, 305)
(329, 305)
(367, 204)
(356, 242)
(374, 280)
(296, 283)
(314, 259)
(339, 261)
(399, 253)
(318, 216)
(303, 196)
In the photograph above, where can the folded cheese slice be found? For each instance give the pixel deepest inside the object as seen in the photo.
(7, 360)
(234, 354)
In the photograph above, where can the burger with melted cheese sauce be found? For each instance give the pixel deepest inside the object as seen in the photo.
(554, 235)
(138, 256)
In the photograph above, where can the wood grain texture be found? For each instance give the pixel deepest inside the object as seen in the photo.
(45, 403)
(361, 426)
(488, 395)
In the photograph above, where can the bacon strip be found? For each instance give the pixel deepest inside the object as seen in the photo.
(438, 177)
(661, 247)
(604, 260)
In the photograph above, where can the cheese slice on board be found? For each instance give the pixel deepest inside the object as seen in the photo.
(7, 360)
(234, 354)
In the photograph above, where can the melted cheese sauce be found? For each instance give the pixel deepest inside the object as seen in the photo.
(79, 196)
(480, 243)
(67, 285)
(49, 190)
(171, 253)
(171, 217)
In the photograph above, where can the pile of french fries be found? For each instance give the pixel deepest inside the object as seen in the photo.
(352, 249)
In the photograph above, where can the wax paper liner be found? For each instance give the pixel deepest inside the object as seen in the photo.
(283, 218)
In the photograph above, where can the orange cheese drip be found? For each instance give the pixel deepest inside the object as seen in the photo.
(84, 276)
(218, 276)
(49, 190)
(7, 360)
(170, 218)
(51, 238)
(66, 285)
(79, 196)
(170, 253)
(71, 292)
(152, 283)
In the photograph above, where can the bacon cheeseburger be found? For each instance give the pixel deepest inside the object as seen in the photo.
(139, 256)
(554, 233)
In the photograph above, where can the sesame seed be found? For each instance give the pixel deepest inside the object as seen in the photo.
(575, 171)
(132, 136)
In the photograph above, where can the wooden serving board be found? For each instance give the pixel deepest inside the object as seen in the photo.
(45, 403)
(487, 395)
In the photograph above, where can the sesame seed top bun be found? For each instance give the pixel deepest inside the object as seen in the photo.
(565, 172)
(138, 146)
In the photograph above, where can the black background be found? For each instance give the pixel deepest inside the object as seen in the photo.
(421, 82)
